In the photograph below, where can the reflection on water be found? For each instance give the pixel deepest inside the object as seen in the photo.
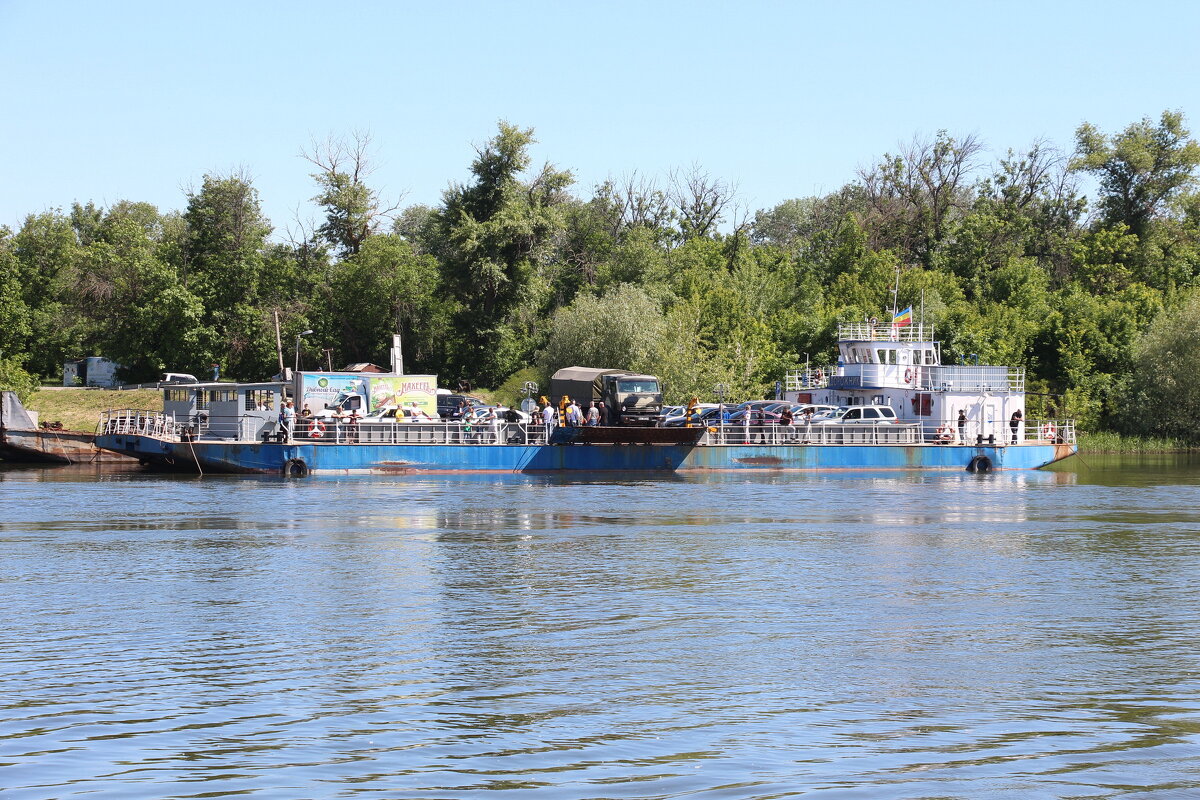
(860, 635)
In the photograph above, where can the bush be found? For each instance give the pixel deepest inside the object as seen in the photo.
(13, 377)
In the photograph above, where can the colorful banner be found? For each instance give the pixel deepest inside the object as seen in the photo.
(321, 390)
(405, 391)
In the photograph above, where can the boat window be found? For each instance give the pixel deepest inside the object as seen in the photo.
(917, 357)
(260, 400)
(642, 385)
(178, 395)
(930, 357)
(222, 396)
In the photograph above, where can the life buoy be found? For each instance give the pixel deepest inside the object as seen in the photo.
(317, 429)
(908, 375)
(1049, 431)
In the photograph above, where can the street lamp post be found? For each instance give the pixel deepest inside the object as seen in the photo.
(298, 335)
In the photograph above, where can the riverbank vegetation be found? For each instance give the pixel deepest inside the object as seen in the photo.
(519, 271)
(79, 409)
(1112, 442)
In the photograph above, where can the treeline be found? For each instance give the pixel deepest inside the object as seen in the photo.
(514, 274)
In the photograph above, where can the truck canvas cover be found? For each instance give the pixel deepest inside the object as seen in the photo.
(581, 383)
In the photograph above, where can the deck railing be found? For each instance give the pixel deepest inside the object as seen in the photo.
(973, 432)
(881, 331)
(129, 421)
(999, 432)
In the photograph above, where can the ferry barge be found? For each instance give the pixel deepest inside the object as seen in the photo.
(942, 417)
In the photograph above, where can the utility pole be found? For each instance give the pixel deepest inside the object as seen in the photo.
(278, 343)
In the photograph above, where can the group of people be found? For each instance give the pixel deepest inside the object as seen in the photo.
(570, 414)
(312, 427)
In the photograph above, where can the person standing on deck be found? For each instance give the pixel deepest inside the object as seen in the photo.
(287, 418)
(962, 427)
(548, 419)
(593, 415)
(1014, 423)
(786, 418)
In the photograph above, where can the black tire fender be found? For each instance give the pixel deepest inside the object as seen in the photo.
(980, 464)
(295, 468)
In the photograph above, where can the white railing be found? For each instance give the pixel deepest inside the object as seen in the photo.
(902, 433)
(925, 378)
(430, 432)
(129, 422)
(971, 379)
(798, 380)
(883, 331)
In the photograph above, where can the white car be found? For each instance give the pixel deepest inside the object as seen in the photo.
(862, 415)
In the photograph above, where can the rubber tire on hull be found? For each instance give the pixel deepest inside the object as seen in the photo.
(295, 468)
(980, 464)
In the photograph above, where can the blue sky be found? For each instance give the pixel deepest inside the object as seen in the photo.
(138, 100)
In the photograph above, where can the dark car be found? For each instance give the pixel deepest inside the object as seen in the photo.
(447, 403)
(761, 412)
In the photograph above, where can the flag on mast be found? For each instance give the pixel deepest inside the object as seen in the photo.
(903, 318)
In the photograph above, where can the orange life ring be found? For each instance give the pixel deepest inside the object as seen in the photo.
(317, 429)
(908, 375)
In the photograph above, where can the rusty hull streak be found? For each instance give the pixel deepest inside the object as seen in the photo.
(762, 461)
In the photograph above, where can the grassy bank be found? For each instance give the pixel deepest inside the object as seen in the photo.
(1105, 442)
(79, 409)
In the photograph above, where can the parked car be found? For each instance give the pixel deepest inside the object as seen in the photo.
(486, 413)
(863, 415)
(668, 412)
(680, 418)
(762, 412)
(447, 403)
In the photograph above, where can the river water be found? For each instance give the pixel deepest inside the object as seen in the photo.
(1012, 635)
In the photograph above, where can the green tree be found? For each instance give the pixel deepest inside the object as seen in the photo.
(1139, 169)
(1166, 380)
(494, 235)
(223, 256)
(621, 330)
(383, 289)
(14, 313)
(353, 210)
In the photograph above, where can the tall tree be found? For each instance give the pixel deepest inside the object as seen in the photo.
(493, 236)
(353, 210)
(914, 196)
(226, 237)
(1139, 169)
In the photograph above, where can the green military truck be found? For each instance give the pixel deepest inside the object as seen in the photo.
(629, 398)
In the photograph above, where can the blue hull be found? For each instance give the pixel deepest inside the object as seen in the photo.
(210, 456)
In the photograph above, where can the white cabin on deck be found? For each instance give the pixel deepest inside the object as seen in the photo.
(901, 367)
